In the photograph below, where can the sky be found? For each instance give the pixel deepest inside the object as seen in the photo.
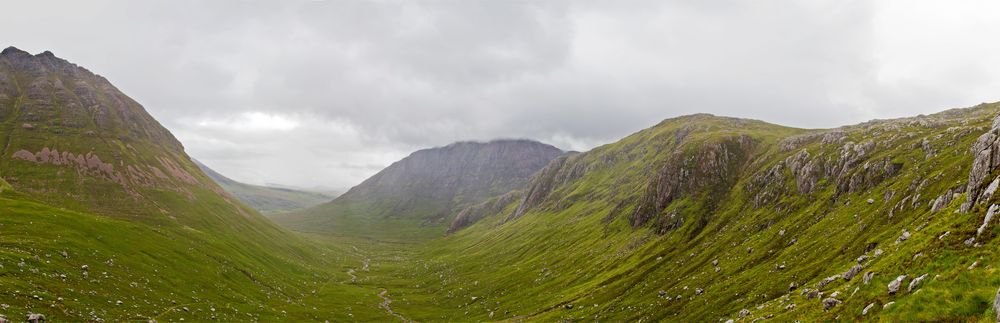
(327, 93)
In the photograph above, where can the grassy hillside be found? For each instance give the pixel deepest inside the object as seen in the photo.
(700, 218)
(104, 217)
(267, 199)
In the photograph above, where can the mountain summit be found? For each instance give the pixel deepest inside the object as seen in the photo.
(428, 187)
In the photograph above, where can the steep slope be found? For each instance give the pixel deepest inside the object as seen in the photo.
(702, 218)
(418, 195)
(264, 198)
(104, 217)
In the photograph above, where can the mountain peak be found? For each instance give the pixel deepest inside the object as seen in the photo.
(13, 51)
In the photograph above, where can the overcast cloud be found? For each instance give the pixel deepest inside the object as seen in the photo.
(326, 93)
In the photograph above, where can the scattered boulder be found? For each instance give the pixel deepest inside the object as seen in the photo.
(698, 291)
(663, 293)
(36, 318)
(850, 273)
(895, 284)
(915, 283)
(868, 277)
(568, 306)
(870, 201)
(792, 286)
(28, 126)
(744, 313)
(64, 254)
(986, 221)
(969, 241)
(862, 259)
(715, 262)
(827, 281)
(867, 308)
(830, 302)
(903, 237)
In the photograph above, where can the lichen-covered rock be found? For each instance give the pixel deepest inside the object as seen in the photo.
(36, 318)
(986, 220)
(827, 281)
(850, 273)
(895, 284)
(867, 308)
(903, 237)
(830, 302)
(915, 283)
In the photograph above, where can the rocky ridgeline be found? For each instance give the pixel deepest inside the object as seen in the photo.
(53, 95)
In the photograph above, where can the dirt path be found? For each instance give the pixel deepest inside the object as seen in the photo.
(387, 306)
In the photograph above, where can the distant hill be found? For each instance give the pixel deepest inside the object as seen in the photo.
(422, 192)
(267, 199)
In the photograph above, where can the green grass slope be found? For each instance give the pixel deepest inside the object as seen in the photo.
(90, 180)
(701, 218)
(265, 199)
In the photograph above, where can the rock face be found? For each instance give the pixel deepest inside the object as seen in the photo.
(434, 184)
(474, 213)
(986, 158)
(712, 166)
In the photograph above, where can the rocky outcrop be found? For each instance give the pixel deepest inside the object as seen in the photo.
(473, 214)
(708, 167)
(986, 158)
(542, 184)
(851, 171)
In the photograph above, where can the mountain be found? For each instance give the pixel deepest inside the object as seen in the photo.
(698, 218)
(420, 193)
(705, 218)
(104, 217)
(266, 199)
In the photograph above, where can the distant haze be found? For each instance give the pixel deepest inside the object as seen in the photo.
(326, 93)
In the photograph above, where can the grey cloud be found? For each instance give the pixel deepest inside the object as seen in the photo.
(363, 83)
